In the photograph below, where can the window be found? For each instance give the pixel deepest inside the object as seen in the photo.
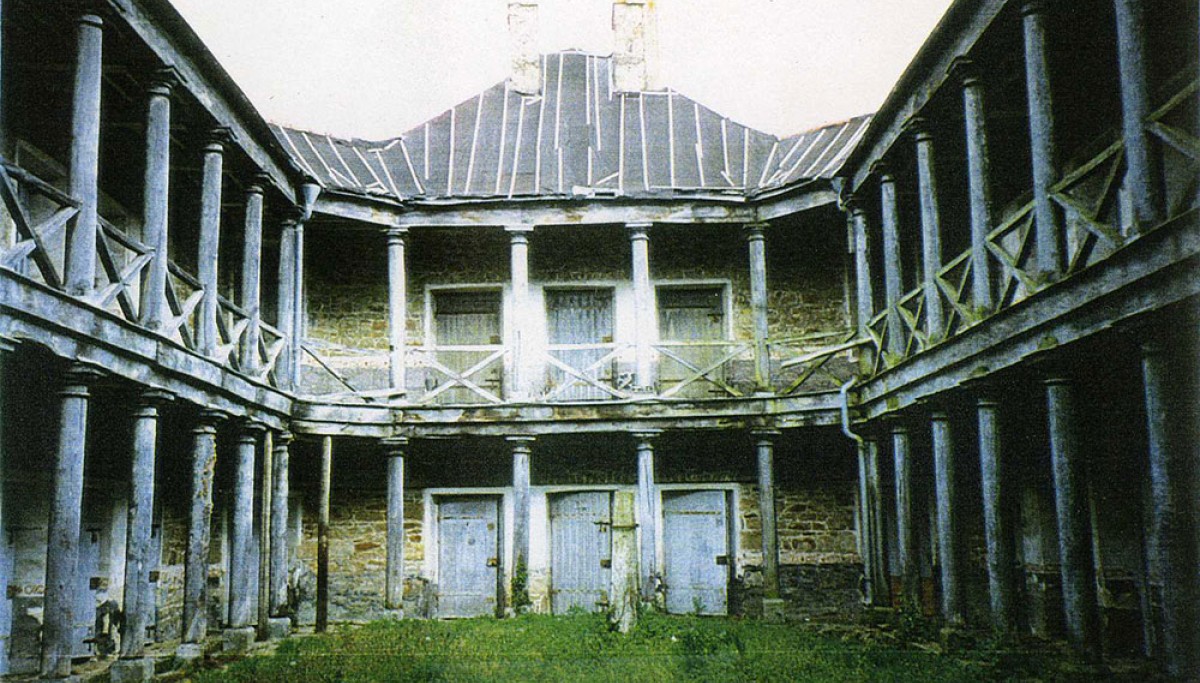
(692, 334)
(466, 318)
(691, 313)
(467, 342)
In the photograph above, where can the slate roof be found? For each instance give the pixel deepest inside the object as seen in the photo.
(576, 138)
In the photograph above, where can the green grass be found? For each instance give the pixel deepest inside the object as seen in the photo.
(581, 648)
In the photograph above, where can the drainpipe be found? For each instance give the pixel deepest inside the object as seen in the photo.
(867, 588)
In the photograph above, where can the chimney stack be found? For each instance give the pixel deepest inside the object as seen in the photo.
(635, 45)
(523, 46)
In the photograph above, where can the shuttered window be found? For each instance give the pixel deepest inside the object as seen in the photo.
(691, 313)
(468, 318)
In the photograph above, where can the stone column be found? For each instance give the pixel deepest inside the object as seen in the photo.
(240, 633)
(862, 268)
(210, 237)
(1074, 526)
(931, 230)
(764, 448)
(397, 308)
(323, 534)
(251, 272)
(997, 534)
(522, 446)
(647, 513)
(138, 534)
(879, 573)
(906, 531)
(84, 169)
(156, 200)
(521, 313)
(1171, 495)
(893, 279)
(66, 503)
(948, 541)
(1043, 150)
(979, 172)
(280, 624)
(195, 590)
(286, 307)
(1144, 173)
(395, 449)
(756, 239)
(7, 347)
(866, 532)
(297, 331)
(266, 471)
(643, 306)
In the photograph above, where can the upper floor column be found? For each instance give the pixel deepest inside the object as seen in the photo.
(1043, 149)
(864, 292)
(892, 272)
(252, 274)
(285, 309)
(397, 308)
(931, 228)
(643, 305)
(84, 169)
(1144, 175)
(210, 237)
(757, 242)
(156, 198)
(521, 314)
(978, 181)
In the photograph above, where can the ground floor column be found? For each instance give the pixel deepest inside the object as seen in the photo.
(279, 624)
(395, 449)
(195, 582)
(138, 538)
(764, 447)
(647, 514)
(949, 545)
(1074, 531)
(66, 503)
(906, 532)
(993, 484)
(522, 446)
(1171, 500)
(240, 633)
(326, 472)
(877, 521)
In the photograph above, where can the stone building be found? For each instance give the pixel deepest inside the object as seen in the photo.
(256, 377)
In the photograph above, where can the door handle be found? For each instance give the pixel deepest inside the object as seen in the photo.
(493, 562)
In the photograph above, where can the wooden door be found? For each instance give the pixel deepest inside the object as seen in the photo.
(580, 550)
(580, 332)
(88, 593)
(691, 326)
(468, 556)
(696, 552)
(467, 331)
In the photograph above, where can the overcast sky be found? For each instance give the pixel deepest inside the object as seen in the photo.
(375, 68)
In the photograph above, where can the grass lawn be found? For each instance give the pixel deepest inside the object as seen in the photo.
(581, 648)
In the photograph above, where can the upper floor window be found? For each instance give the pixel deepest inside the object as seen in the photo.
(466, 318)
(691, 313)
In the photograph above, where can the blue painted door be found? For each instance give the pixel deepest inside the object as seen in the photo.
(696, 552)
(468, 556)
(580, 550)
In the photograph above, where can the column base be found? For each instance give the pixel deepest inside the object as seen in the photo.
(772, 610)
(237, 639)
(73, 678)
(278, 628)
(189, 652)
(131, 670)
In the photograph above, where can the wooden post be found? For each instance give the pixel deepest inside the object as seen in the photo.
(394, 589)
(397, 308)
(906, 547)
(1172, 525)
(84, 173)
(66, 503)
(979, 167)
(1074, 525)
(647, 513)
(280, 530)
(1144, 174)
(764, 447)
(643, 306)
(518, 236)
(994, 486)
(285, 309)
(948, 540)
(756, 239)
(210, 237)
(931, 230)
(322, 624)
(156, 200)
(1043, 149)
(624, 610)
(140, 525)
(251, 272)
(195, 590)
(522, 446)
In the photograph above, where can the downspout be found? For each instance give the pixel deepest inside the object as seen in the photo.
(866, 588)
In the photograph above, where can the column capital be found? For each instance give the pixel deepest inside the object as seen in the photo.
(852, 205)
(897, 424)
(883, 169)
(208, 420)
(645, 436)
(521, 443)
(154, 397)
(966, 71)
(7, 345)
(78, 378)
(216, 138)
(164, 81)
(754, 231)
(90, 15)
(283, 437)
(394, 446)
(250, 430)
(765, 436)
(258, 183)
(1032, 7)
(638, 231)
(396, 234)
(920, 128)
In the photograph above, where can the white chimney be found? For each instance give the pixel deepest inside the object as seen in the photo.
(635, 45)
(523, 47)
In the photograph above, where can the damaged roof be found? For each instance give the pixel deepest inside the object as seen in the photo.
(577, 138)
